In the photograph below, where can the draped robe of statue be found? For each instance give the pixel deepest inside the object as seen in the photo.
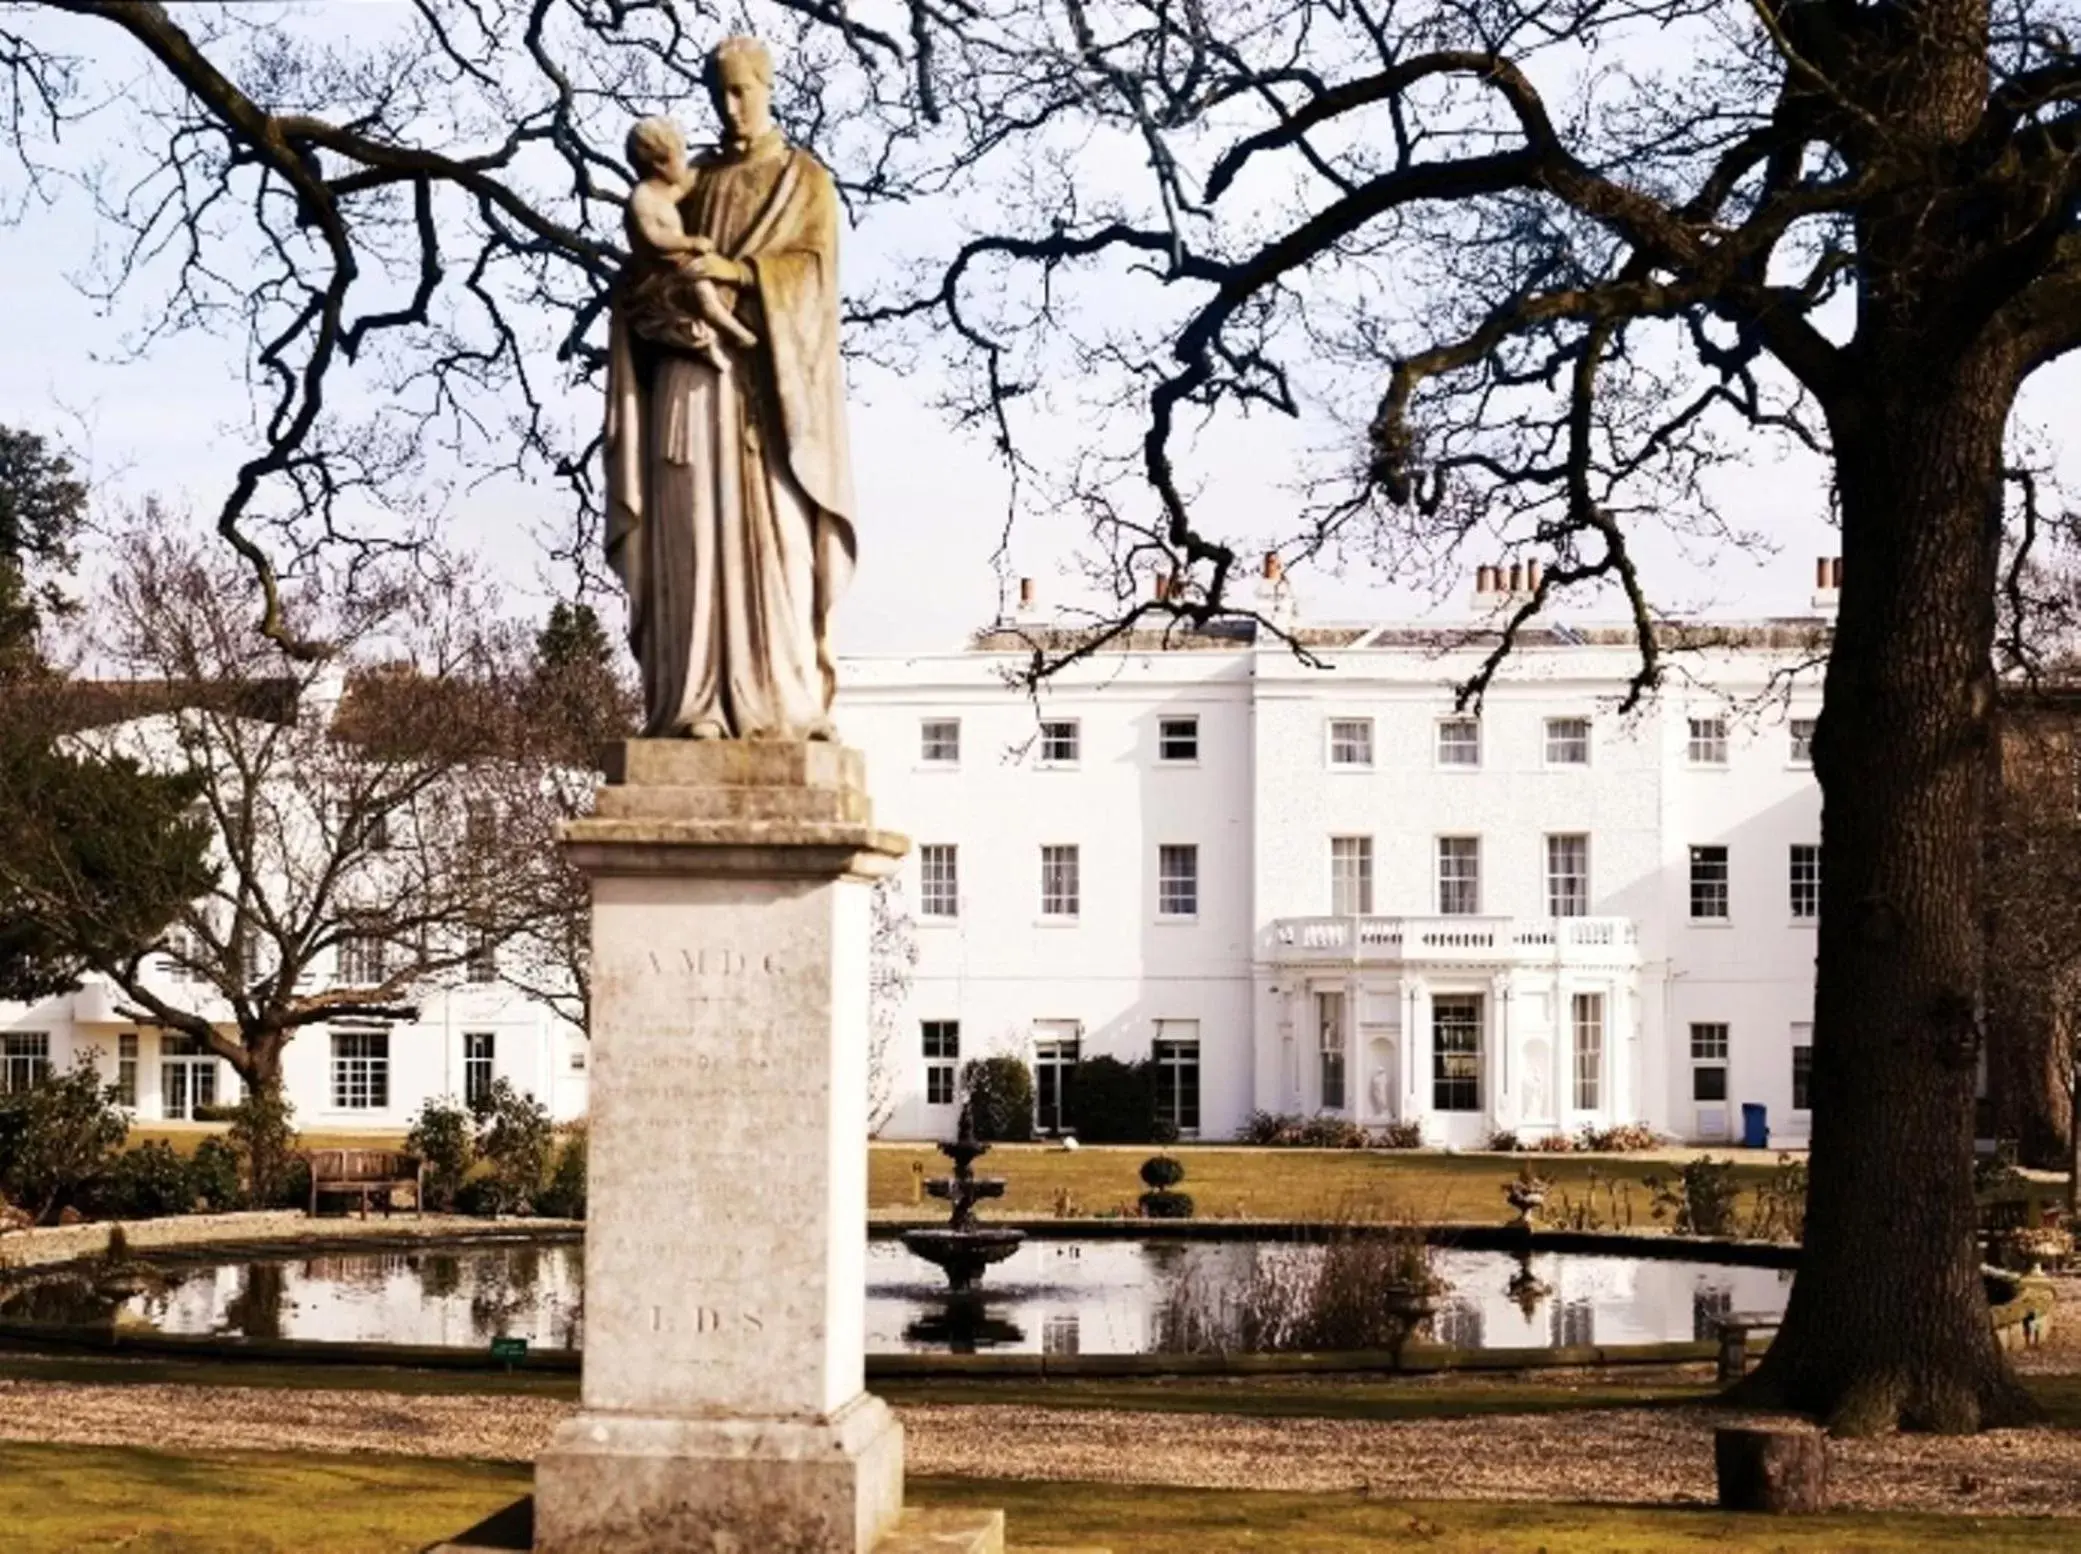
(730, 492)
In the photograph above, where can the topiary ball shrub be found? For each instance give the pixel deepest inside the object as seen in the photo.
(1161, 1171)
(1167, 1205)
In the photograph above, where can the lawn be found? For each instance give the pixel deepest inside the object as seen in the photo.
(1284, 1184)
(57, 1499)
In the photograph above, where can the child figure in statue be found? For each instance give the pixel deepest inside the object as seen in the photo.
(656, 234)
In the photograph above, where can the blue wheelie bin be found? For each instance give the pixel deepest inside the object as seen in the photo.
(1755, 1126)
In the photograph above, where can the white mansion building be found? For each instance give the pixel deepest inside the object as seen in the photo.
(1299, 888)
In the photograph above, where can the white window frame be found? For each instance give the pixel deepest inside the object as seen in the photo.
(939, 882)
(1551, 737)
(1054, 742)
(188, 1076)
(1459, 849)
(1800, 753)
(359, 1071)
(481, 963)
(1558, 898)
(1803, 883)
(362, 949)
(1177, 881)
(1705, 747)
(25, 1058)
(1186, 727)
(480, 1055)
(1058, 1046)
(1587, 1046)
(128, 1046)
(1356, 875)
(1726, 884)
(936, 751)
(1332, 1053)
(1348, 744)
(940, 1043)
(1454, 1003)
(1061, 882)
(1802, 1030)
(1173, 1052)
(1456, 725)
(1708, 1052)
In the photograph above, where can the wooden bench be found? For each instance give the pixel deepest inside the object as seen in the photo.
(1734, 1329)
(363, 1172)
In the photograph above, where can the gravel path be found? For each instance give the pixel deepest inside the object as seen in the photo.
(1616, 1455)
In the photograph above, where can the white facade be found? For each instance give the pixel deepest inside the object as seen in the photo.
(1549, 973)
(1513, 944)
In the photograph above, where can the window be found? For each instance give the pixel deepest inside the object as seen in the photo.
(243, 952)
(375, 832)
(361, 829)
(1802, 1068)
(1459, 742)
(479, 1059)
(480, 823)
(1459, 875)
(1351, 875)
(1456, 1052)
(1329, 1048)
(25, 1057)
(1806, 881)
(1567, 741)
(1709, 883)
(1803, 741)
(1177, 739)
(182, 959)
(939, 741)
(1708, 746)
(361, 957)
(1588, 1023)
(1708, 1062)
(482, 964)
(1351, 742)
(1177, 1075)
(1177, 881)
(187, 1076)
(1567, 876)
(361, 1070)
(1059, 881)
(1056, 1049)
(126, 1070)
(1062, 1333)
(1060, 741)
(942, 1039)
(939, 880)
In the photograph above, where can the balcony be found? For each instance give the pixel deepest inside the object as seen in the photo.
(1455, 941)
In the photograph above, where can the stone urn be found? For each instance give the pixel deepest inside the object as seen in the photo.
(1527, 1195)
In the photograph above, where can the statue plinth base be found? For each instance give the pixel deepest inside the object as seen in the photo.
(724, 1402)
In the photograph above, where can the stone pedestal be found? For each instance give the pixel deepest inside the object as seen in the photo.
(724, 1407)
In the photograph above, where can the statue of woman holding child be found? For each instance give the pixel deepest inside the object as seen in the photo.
(729, 479)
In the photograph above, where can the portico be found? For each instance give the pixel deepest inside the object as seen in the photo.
(1463, 1025)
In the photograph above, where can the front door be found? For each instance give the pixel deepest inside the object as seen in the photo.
(1056, 1047)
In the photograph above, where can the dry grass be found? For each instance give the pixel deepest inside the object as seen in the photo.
(57, 1500)
(1278, 1184)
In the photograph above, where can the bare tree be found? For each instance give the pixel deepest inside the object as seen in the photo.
(892, 960)
(361, 844)
(1547, 301)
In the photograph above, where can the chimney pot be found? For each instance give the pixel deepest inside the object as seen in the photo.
(1025, 593)
(1835, 572)
(1820, 571)
(1274, 568)
(1484, 579)
(1532, 576)
(1517, 577)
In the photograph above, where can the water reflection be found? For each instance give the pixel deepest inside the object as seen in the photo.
(1053, 1297)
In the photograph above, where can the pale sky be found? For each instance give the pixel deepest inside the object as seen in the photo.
(931, 498)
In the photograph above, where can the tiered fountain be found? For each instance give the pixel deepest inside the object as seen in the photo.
(964, 1249)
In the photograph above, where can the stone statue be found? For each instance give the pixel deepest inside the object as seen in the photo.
(1380, 1092)
(729, 478)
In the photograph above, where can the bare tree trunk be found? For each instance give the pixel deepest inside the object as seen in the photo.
(1888, 1321)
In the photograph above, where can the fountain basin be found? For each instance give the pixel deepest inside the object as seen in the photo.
(962, 1255)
